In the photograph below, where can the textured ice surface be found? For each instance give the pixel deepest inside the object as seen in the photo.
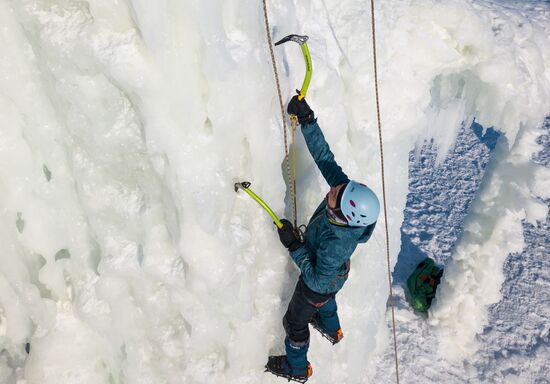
(126, 257)
(516, 339)
(439, 196)
(514, 343)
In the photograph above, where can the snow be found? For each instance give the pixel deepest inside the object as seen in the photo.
(126, 257)
(513, 345)
(492, 230)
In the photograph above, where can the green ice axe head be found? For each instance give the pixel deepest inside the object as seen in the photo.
(242, 185)
(245, 186)
(302, 41)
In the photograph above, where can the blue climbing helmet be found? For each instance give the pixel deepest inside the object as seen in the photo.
(359, 205)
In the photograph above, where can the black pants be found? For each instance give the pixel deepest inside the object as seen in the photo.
(303, 305)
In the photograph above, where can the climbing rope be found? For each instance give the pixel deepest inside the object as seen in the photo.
(384, 189)
(290, 175)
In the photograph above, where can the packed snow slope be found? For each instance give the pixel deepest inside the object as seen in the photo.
(125, 254)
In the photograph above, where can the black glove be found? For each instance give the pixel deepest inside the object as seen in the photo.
(301, 110)
(287, 236)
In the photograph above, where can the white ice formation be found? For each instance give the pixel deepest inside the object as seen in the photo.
(125, 255)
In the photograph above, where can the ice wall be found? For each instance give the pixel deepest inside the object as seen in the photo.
(493, 228)
(126, 255)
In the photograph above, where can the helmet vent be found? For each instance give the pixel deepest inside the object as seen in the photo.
(352, 203)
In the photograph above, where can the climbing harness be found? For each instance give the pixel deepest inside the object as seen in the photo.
(384, 189)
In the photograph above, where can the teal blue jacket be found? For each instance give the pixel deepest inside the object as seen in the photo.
(324, 259)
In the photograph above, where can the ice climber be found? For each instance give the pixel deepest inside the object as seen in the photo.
(345, 218)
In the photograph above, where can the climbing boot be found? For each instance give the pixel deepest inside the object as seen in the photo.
(333, 337)
(279, 366)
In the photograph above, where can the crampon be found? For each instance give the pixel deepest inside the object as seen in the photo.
(279, 366)
(333, 337)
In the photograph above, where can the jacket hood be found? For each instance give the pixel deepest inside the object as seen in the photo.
(359, 234)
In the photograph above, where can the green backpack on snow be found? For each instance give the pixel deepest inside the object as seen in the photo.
(422, 284)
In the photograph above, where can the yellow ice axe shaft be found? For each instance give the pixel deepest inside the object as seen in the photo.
(309, 71)
(302, 41)
(245, 186)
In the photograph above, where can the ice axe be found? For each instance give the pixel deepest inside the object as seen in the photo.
(302, 41)
(245, 186)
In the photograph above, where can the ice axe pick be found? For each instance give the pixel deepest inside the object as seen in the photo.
(302, 41)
